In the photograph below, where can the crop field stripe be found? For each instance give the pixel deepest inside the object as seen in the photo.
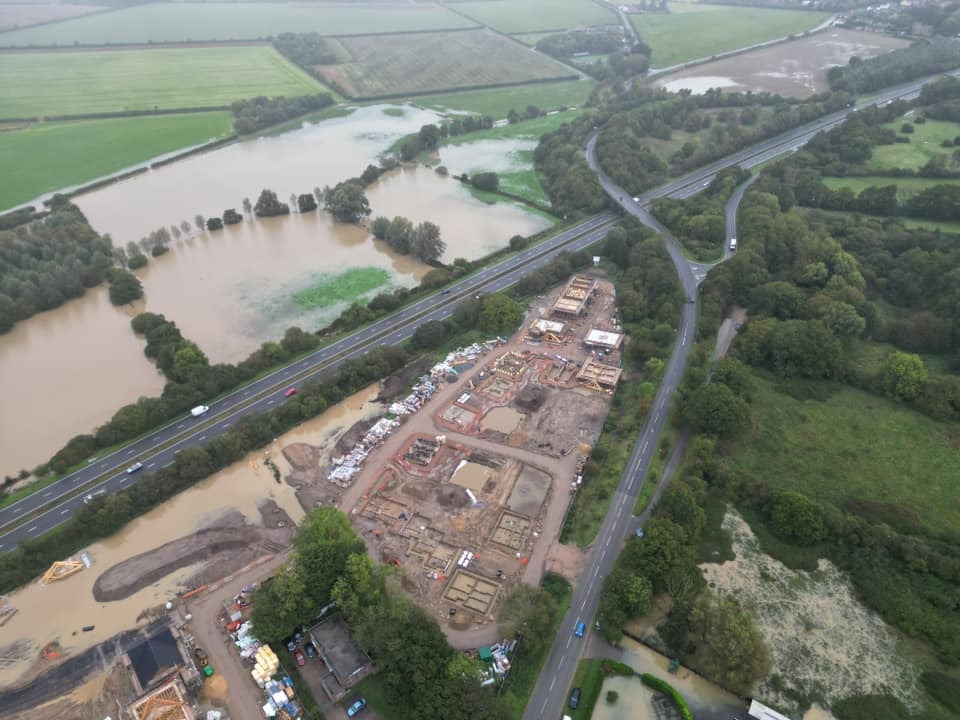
(534, 16)
(59, 83)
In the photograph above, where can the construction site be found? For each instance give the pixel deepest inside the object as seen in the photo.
(469, 491)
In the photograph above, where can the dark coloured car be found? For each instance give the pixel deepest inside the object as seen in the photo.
(310, 649)
(574, 699)
(290, 644)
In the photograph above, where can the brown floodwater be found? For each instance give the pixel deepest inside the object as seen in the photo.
(232, 290)
(65, 372)
(57, 610)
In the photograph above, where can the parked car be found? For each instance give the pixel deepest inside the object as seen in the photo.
(574, 699)
(133, 468)
(311, 650)
(355, 707)
(580, 629)
(290, 644)
(291, 392)
(298, 637)
(301, 660)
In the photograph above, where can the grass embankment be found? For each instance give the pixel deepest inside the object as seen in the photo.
(529, 16)
(906, 187)
(924, 144)
(691, 31)
(525, 670)
(852, 446)
(589, 678)
(350, 285)
(50, 156)
(181, 22)
(59, 83)
(500, 101)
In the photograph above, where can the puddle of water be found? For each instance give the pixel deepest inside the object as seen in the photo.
(502, 419)
(47, 400)
(634, 702)
(699, 84)
(56, 611)
(701, 694)
(470, 475)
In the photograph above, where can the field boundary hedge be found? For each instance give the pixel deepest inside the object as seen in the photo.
(662, 686)
(454, 89)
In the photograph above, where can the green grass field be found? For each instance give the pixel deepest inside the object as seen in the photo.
(906, 187)
(51, 156)
(853, 445)
(420, 63)
(531, 39)
(181, 21)
(924, 144)
(55, 83)
(498, 102)
(692, 31)
(525, 130)
(529, 16)
(332, 289)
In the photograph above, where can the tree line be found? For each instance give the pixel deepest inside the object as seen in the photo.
(260, 112)
(422, 241)
(49, 261)
(564, 45)
(924, 57)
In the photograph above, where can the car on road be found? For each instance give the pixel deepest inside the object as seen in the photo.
(200, 410)
(310, 649)
(574, 699)
(301, 660)
(636, 199)
(580, 629)
(445, 292)
(291, 392)
(356, 706)
(87, 499)
(133, 468)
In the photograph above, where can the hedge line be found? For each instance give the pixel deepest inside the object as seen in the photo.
(667, 689)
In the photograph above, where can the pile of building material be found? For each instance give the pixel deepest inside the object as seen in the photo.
(280, 702)
(266, 664)
(348, 466)
(421, 392)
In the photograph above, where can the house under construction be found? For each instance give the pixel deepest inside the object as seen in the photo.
(599, 376)
(550, 331)
(167, 702)
(603, 339)
(576, 296)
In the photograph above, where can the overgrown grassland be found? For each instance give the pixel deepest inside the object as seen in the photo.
(498, 102)
(178, 22)
(421, 63)
(853, 445)
(589, 678)
(526, 129)
(528, 16)
(50, 156)
(924, 144)
(57, 83)
(692, 31)
(906, 187)
(347, 286)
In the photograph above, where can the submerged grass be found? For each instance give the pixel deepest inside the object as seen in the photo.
(347, 286)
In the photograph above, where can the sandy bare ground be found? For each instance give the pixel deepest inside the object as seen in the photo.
(822, 639)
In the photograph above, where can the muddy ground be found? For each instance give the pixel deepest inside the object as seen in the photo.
(228, 543)
(793, 69)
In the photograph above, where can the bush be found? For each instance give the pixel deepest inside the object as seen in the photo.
(871, 707)
(943, 688)
(137, 261)
(662, 686)
(214, 223)
(615, 667)
(612, 697)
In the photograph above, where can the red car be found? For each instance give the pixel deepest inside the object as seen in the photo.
(301, 660)
(291, 392)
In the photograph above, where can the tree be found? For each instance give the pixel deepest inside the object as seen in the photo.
(488, 181)
(662, 548)
(904, 375)
(731, 649)
(624, 596)
(199, 222)
(296, 341)
(425, 242)
(324, 541)
(185, 227)
(380, 227)
(231, 217)
(399, 233)
(429, 136)
(293, 200)
(528, 613)
(247, 206)
(124, 286)
(499, 314)
(735, 375)
(715, 409)
(306, 203)
(214, 223)
(186, 359)
(681, 506)
(360, 589)
(268, 205)
(347, 202)
(430, 334)
(797, 519)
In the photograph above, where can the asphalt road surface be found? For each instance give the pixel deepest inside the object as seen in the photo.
(550, 695)
(48, 508)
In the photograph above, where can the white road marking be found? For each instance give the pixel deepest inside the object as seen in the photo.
(596, 571)
(583, 604)
(607, 543)
(552, 683)
(568, 640)
(65, 511)
(48, 493)
(203, 437)
(31, 529)
(150, 465)
(130, 452)
(562, 658)
(226, 425)
(180, 425)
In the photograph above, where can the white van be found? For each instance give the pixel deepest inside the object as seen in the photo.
(733, 244)
(199, 410)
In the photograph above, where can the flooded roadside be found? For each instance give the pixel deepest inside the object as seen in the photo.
(59, 610)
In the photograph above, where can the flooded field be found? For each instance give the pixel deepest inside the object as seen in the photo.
(232, 290)
(793, 69)
(58, 611)
(66, 371)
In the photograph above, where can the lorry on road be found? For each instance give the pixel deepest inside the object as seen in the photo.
(199, 410)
